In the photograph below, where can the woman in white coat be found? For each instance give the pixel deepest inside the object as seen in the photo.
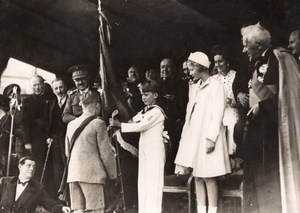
(150, 123)
(202, 147)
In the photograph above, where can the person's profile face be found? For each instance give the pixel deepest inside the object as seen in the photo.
(294, 43)
(27, 170)
(252, 49)
(59, 89)
(166, 68)
(194, 71)
(81, 83)
(149, 98)
(37, 85)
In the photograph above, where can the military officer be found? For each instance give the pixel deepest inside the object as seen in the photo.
(81, 78)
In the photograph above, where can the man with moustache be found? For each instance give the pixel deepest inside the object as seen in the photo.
(81, 78)
(56, 135)
(23, 194)
(294, 45)
(36, 122)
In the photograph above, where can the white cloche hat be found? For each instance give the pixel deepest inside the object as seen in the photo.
(200, 58)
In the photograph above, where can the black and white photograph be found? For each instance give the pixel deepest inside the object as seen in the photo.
(149, 106)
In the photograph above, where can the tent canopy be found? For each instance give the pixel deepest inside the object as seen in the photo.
(56, 34)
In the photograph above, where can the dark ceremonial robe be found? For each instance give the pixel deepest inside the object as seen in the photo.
(261, 149)
(33, 195)
(35, 128)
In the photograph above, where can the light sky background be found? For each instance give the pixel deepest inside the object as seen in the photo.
(20, 73)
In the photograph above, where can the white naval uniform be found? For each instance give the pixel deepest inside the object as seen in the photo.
(151, 158)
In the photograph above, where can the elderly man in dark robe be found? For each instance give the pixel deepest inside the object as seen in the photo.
(271, 156)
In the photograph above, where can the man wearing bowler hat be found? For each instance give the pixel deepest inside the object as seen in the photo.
(81, 79)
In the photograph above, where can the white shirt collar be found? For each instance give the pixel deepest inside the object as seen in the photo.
(61, 100)
(264, 53)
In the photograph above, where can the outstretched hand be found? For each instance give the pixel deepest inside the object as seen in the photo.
(114, 122)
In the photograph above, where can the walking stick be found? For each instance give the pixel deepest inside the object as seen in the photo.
(119, 171)
(46, 160)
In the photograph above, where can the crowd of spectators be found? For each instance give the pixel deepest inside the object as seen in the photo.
(190, 114)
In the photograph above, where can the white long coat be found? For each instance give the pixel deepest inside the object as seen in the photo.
(151, 158)
(203, 121)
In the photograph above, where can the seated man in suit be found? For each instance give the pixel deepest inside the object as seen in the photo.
(23, 194)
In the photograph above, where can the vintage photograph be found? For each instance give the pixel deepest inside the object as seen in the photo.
(150, 106)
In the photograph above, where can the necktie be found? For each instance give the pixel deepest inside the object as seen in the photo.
(60, 102)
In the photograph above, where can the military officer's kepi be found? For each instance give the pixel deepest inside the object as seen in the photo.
(79, 71)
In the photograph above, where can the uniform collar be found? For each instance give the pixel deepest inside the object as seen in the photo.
(84, 91)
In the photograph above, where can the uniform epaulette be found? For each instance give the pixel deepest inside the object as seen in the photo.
(70, 92)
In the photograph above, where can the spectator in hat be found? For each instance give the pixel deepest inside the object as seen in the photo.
(202, 147)
(81, 79)
(13, 108)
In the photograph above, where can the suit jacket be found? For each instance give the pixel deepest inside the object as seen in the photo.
(92, 158)
(53, 125)
(57, 158)
(33, 195)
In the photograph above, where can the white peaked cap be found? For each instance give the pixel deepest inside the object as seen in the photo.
(200, 58)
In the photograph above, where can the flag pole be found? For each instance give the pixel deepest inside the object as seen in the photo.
(103, 75)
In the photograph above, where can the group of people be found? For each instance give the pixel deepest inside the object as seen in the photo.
(225, 109)
(200, 110)
(44, 136)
